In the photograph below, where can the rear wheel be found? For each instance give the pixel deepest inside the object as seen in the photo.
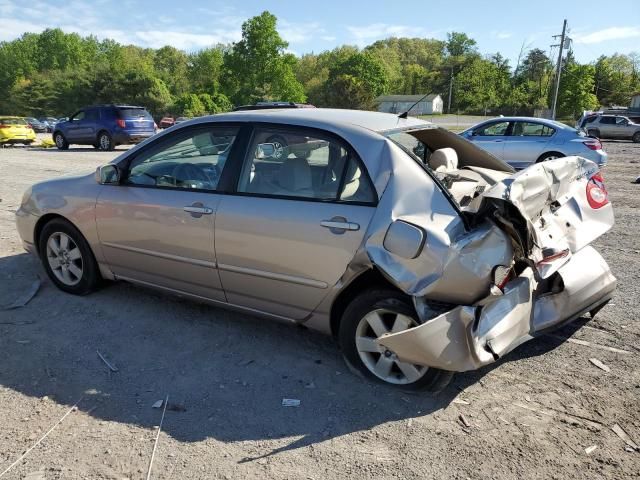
(549, 156)
(105, 142)
(636, 137)
(371, 315)
(67, 258)
(60, 141)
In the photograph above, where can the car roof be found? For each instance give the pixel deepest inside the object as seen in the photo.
(320, 117)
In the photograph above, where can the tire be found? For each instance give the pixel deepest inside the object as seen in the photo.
(593, 132)
(388, 306)
(549, 156)
(60, 141)
(280, 144)
(105, 142)
(636, 137)
(69, 263)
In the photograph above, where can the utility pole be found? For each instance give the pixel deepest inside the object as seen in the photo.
(450, 90)
(558, 68)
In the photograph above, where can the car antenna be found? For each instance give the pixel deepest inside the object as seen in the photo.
(406, 114)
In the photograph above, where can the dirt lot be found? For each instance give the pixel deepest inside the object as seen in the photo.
(531, 415)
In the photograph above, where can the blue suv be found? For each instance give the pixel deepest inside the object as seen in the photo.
(104, 127)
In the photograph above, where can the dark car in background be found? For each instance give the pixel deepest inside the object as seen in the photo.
(166, 122)
(36, 125)
(50, 123)
(105, 127)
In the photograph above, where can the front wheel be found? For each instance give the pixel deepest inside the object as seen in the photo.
(636, 137)
(60, 141)
(67, 258)
(371, 315)
(105, 142)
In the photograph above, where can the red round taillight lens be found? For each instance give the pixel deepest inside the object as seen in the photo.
(597, 194)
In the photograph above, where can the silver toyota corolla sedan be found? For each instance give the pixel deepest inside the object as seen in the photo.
(522, 141)
(419, 252)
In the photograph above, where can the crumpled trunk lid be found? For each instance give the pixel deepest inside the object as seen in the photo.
(556, 209)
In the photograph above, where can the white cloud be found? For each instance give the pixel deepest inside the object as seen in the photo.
(184, 41)
(299, 32)
(362, 35)
(606, 34)
(501, 35)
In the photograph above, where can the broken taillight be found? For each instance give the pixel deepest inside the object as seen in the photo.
(597, 194)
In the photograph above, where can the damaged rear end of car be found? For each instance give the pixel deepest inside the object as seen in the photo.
(490, 257)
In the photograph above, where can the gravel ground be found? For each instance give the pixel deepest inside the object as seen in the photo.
(531, 415)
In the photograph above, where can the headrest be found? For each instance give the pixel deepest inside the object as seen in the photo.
(295, 175)
(204, 144)
(444, 160)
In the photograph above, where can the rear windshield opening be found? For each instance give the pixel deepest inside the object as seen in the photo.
(13, 121)
(134, 113)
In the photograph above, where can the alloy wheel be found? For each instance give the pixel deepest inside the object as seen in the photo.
(105, 142)
(64, 258)
(384, 363)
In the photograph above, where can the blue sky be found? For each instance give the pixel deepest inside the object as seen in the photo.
(317, 26)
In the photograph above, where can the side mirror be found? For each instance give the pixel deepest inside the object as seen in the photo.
(108, 175)
(265, 150)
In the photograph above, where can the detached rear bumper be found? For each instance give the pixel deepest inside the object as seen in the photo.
(469, 337)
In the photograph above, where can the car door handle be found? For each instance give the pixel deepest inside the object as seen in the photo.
(339, 225)
(198, 210)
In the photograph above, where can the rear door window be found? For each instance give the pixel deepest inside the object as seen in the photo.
(531, 129)
(294, 163)
(608, 120)
(92, 114)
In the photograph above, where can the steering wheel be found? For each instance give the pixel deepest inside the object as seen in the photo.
(183, 172)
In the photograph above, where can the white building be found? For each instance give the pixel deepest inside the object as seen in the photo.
(428, 105)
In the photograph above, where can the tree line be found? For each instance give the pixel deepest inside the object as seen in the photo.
(53, 73)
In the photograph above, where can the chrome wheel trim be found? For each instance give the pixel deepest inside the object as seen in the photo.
(383, 363)
(65, 259)
(104, 141)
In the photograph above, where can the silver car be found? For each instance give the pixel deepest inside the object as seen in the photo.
(616, 127)
(420, 253)
(522, 141)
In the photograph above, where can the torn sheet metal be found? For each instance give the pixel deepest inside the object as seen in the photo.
(442, 258)
(552, 198)
(468, 337)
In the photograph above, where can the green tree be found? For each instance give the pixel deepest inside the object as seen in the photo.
(576, 89)
(257, 67)
(205, 67)
(356, 81)
(189, 105)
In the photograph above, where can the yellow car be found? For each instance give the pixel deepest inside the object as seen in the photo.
(15, 130)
